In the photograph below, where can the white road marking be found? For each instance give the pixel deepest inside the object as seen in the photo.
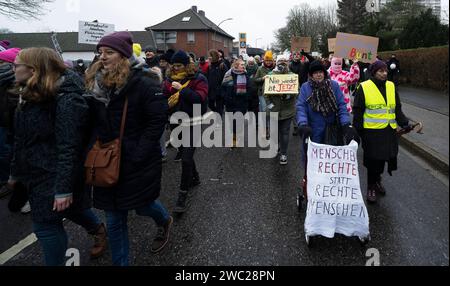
(16, 249)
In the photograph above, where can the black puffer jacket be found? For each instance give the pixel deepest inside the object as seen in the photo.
(141, 165)
(49, 145)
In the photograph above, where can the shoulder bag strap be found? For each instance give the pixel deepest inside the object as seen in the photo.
(124, 118)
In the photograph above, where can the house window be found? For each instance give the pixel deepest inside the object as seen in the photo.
(225, 43)
(186, 19)
(166, 37)
(191, 37)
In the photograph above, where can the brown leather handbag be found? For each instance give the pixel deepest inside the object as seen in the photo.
(102, 164)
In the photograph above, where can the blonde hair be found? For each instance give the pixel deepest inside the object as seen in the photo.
(115, 78)
(236, 63)
(48, 68)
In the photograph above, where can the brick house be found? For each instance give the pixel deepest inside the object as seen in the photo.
(192, 32)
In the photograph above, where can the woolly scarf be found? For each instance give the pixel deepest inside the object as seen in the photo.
(241, 82)
(322, 98)
(179, 76)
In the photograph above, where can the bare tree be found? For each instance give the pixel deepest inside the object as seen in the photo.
(305, 21)
(23, 8)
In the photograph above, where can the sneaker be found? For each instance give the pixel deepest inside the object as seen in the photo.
(162, 236)
(26, 209)
(372, 194)
(182, 202)
(380, 188)
(177, 157)
(4, 191)
(100, 242)
(283, 160)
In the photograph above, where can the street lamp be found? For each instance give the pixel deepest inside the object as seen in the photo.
(256, 44)
(215, 32)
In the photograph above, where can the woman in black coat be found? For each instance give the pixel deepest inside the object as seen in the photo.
(50, 126)
(380, 145)
(115, 77)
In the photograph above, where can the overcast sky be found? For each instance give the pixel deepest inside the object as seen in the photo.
(258, 18)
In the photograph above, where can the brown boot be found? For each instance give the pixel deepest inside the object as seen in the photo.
(100, 242)
(372, 194)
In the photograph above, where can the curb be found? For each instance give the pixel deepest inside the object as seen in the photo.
(431, 156)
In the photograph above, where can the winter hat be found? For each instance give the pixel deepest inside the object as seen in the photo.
(181, 57)
(268, 56)
(137, 49)
(119, 41)
(257, 58)
(281, 58)
(336, 65)
(9, 55)
(4, 45)
(377, 65)
(69, 64)
(316, 66)
(167, 56)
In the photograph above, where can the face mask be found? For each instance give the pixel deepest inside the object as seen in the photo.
(281, 67)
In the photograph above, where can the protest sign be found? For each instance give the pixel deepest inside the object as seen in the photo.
(331, 45)
(356, 47)
(281, 84)
(301, 43)
(335, 202)
(92, 32)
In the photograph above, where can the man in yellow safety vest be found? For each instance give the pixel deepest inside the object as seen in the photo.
(377, 114)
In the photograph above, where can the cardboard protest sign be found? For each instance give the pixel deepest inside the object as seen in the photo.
(281, 84)
(335, 202)
(331, 45)
(301, 43)
(92, 32)
(361, 48)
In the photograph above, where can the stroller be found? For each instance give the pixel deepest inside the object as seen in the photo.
(302, 193)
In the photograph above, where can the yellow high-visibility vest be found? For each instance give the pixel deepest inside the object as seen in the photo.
(379, 114)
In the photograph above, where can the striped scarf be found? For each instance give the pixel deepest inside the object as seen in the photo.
(322, 99)
(241, 82)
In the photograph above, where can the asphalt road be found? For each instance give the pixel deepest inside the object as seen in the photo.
(245, 214)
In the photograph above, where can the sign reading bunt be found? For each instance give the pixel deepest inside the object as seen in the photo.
(301, 43)
(331, 45)
(92, 32)
(335, 202)
(356, 47)
(281, 84)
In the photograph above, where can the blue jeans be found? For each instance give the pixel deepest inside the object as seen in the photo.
(5, 156)
(118, 229)
(53, 237)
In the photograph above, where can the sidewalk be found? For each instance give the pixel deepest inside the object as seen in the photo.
(432, 109)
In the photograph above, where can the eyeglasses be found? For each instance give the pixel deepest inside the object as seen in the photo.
(178, 66)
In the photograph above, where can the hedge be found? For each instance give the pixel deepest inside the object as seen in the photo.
(423, 67)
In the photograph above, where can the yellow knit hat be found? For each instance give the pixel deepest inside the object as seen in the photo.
(137, 49)
(268, 56)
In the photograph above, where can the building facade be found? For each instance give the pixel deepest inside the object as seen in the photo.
(192, 32)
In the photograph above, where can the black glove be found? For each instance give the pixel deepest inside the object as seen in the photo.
(408, 127)
(350, 133)
(305, 130)
(303, 53)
